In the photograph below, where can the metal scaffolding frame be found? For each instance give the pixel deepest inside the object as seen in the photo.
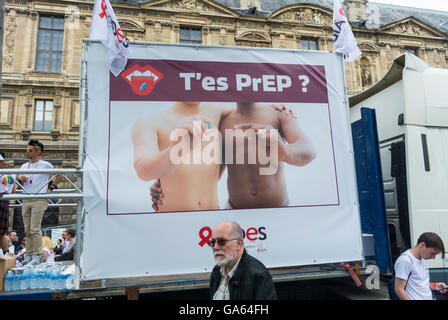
(76, 193)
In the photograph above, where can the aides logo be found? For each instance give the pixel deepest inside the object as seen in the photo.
(142, 79)
(252, 234)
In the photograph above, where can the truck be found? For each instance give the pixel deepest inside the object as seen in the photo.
(324, 232)
(411, 107)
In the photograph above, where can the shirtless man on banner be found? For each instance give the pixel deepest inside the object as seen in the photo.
(257, 184)
(190, 186)
(247, 185)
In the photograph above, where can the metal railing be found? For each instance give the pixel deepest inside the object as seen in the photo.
(75, 193)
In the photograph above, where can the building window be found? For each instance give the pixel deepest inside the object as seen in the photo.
(49, 44)
(411, 51)
(308, 44)
(190, 35)
(43, 115)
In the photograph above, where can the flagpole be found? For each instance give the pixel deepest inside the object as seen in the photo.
(346, 102)
(344, 79)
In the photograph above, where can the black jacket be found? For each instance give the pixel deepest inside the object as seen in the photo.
(251, 281)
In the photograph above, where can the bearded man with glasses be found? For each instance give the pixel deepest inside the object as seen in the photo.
(237, 275)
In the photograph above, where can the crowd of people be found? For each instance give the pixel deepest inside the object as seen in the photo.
(63, 250)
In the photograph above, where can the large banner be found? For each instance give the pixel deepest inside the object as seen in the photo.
(186, 137)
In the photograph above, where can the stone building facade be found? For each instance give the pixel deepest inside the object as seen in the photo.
(42, 48)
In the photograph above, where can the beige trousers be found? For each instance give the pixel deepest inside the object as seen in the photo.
(32, 214)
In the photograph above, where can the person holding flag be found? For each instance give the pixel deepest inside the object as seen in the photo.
(343, 39)
(105, 27)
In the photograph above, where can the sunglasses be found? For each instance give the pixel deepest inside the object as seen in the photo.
(31, 149)
(221, 242)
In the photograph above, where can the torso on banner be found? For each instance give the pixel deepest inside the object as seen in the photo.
(247, 187)
(191, 186)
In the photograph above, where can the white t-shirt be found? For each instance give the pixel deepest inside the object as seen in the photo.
(68, 246)
(7, 183)
(417, 287)
(50, 257)
(36, 181)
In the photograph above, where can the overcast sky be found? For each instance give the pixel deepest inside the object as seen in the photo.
(440, 5)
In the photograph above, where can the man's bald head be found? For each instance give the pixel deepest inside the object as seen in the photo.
(231, 228)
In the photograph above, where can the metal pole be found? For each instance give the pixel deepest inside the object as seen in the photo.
(39, 171)
(80, 212)
(50, 205)
(2, 25)
(46, 195)
(347, 108)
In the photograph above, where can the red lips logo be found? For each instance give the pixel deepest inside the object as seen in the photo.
(142, 79)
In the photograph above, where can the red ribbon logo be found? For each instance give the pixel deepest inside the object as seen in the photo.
(103, 9)
(205, 238)
(120, 35)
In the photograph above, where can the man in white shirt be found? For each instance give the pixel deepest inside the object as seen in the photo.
(33, 209)
(411, 269)
(12, 235)
(68, 252)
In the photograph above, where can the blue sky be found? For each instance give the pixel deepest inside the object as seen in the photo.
(440, 5)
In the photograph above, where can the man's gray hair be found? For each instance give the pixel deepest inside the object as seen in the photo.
(237, 231)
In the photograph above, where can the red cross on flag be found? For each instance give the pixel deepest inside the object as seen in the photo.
(105, 27)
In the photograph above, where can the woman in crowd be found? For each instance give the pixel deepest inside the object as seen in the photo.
(47, 249)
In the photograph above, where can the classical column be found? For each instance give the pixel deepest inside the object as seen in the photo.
(175, 33)
(34, 25)
(28, 127)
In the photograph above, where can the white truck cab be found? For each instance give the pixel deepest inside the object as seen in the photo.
(411, 104)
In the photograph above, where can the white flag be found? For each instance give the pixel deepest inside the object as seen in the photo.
(343, 39)
(105, 27)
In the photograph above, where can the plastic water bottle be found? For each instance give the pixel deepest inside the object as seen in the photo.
(70, 283)
(15, 281)
(61, 278)
(8, 280)
(33, 278)
(60, 281)
(25, 285)
(46, 278)
(20, 279)
(53, 279)
(67, 281)
(40, 278)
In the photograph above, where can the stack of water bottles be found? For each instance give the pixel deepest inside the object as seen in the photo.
(52, 276)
